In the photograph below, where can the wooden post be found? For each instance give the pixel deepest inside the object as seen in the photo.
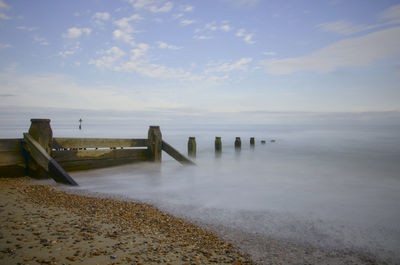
(218, 145)
(41, 132)
(155, 143)
(238, 143)
(192, 147)
(252, 142)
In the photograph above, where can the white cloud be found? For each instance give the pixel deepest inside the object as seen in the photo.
(360, 51)
(202, 37)
(101, 16)
(123, 36)
(188, 8)
(247, 37)
(154, 6)
(226, 28)
(72, 51)
(344, 27)
(124, 33)
(163, 45)
(243, 3)
(391, 14)
(240, 65)
(269, 53)
(3, 5)
(186, 22)
(109, 59)
(4, 16)
(73, 33)
(40, 40)
(3, 46)
(27, 28)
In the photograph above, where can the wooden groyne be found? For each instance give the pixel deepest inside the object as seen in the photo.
(39, 155)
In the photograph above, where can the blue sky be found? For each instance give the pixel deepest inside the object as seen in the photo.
(198, 57)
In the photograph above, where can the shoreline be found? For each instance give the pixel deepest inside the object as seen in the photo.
(46, 224)
(41, 225)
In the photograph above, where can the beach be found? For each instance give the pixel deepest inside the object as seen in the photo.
(41, 225)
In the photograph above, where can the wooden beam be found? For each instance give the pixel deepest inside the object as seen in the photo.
(97, 142)
(80, 155)
(175, 154)
(45, 161)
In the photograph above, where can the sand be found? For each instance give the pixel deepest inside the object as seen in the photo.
(41, 225)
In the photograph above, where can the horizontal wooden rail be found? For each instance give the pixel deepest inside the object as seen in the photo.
(45, 161)
(73, 160)
(59, 143)
(175, 154)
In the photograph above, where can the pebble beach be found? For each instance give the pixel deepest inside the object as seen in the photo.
(41, 225)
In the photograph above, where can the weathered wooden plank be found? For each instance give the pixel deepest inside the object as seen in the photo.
(175, 154)
(44, 160)
(97, 142)
(80, 155)
(10, 144)
(97, 163)
(9, 158)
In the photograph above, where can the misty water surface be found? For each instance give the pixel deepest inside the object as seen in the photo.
(326, 185)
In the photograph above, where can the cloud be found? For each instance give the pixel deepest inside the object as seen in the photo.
(27, 28)
(247, 37)
(207, 31)
(163, 45)
(360, 51)
(269, 53)
(242, 3)
(3, 5)
(109, 59)
(125, 29)
(73, 33)
(101, 16)
(344, 27)
(4, 46)
(240, 65)
(391, 14)
(186, 22)
(188, 8)
(40, 40)
(72, 51)
(4, 16)
(226, 28)
(154, 6)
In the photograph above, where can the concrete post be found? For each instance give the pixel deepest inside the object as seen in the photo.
(192, 147)
(155, 143)
(218, 145)
(238, 143)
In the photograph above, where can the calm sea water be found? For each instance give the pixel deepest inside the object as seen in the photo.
(331, 186)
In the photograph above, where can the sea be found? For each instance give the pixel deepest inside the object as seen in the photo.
(330, 185)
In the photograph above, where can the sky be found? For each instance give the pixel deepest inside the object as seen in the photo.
(200, 57)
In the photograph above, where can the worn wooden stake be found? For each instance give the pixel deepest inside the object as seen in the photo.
(192, 147)
(41, 132)
(154, 143)
(238, 143)
(252, 142)
(218, 145)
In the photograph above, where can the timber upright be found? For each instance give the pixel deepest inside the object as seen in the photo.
(155, 143)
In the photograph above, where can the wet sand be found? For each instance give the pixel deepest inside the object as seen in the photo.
(41, 225)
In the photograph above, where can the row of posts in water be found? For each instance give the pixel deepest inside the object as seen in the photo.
(218, 145)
